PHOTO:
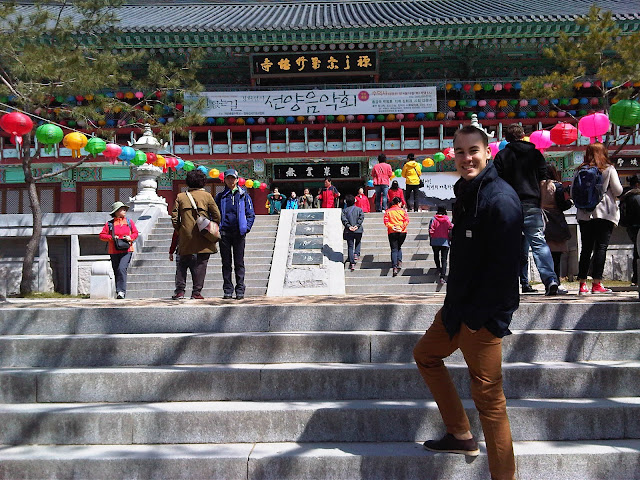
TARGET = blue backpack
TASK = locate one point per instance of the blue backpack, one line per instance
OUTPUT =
(587, 190)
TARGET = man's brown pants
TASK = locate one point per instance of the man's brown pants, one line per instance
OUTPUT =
(483, 354)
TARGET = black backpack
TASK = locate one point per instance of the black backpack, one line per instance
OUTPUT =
(562, 197)
(587, 189)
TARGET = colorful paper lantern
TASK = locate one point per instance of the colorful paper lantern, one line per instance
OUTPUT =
(541, 139)
(161, 162)
(214, 173)
(240, 121)
(494, 148)
(341, 118)
(16, 124)
(241, 181)
(140, 158)
(400, 117)
(95, 146)
(426, 163)
(625, 113)
(74, 141)
(151, 158)
(204, 169)
(438, 157)
(188, 166)
(221, 176)
(127, 154)
(111, 152)
(449, 153)
(563, 134)
(594, 126)
(263, 186)
(49, 135)
(248, 183)
(398, 172)
(451, 103)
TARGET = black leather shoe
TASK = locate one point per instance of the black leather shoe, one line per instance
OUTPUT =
(239, 297)
(450, 444)
(528, 289)
(227, 297)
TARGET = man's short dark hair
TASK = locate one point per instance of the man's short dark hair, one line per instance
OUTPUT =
(514, 132)
(196, 179)
(410, 156)
(471, 130)
(349, 200)
(382, 158)
(396, 201)
(633, 181)
(327, 179)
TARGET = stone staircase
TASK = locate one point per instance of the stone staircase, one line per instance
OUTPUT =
(418, 273)
(152, 275)
(315, 388)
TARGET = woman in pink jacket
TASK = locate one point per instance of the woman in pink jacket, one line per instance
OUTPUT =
(439, 231)
(121, 228)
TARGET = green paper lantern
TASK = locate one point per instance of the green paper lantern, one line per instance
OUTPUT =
(256, 184)
(397, 172)
(564, 101)
(513, 102)
(49, 135)
(430, 116)
(462, 103)
(531, 114)
(582, 113)
(625, 113)
(331, 118)
(470, 114)
(95, 146)
(380, 118)
(188, 166)
(438, 157)
(487, 87)
(140, 158)
(281, 120)
(220, 121)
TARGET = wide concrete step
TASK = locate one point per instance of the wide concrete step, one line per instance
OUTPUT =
(414, 276)
(304, 421)
(213, 283)
(360, 347)
(569, 460)
(303, 381)
(162, 259)
(293, 314)
(414, 289)
(169, 269)
(211, 290)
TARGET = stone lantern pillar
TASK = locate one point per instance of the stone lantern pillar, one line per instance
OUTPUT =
(147, 175)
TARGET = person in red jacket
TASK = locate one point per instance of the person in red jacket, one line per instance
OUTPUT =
(362, 201)
(122, 228)
(396, 191)
(396, 220)
(440, 228)
(381, 174)
(329, 195)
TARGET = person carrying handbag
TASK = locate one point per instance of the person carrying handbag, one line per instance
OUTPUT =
(120, 232)
(194, 248)
(411, 172)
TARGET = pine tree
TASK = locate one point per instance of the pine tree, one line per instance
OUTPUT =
(52, 49)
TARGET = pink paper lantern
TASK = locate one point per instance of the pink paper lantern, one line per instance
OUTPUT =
(242, 181)
(451, 115)
(263, 186)
(594, 126)
(350, 118)
(449, 153)
(562, 114)
(495, 148)
(523, 103)
(586, 85)
(497, 87)
(311, 118)
(541, 139)
(139, 95)
(112, 151)
(491, 115)
(482, 103)
(400, 117)
(261, 120)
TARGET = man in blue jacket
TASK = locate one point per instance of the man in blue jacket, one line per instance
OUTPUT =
(236, 211)
(482, 294)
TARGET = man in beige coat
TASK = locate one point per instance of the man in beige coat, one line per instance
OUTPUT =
(194, 248)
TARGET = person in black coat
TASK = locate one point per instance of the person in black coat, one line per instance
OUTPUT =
(352, 219)
(630, 218)
(482, 294)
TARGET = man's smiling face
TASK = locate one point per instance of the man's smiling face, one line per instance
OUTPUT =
(471, 155)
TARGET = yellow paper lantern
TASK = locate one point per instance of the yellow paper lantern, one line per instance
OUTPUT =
(553, 114)
(511, 115)
(300, 119)
(117, 109)
(477, 87)
(574, 101)
(214, 173)
(448, 86)
(341, 118)
(248, 183)
(440, 116)
(102, 123)
(160, 161)
(391, 117)
(75, 141)
(147, 108)
(502, 103)
(129, 95)
(451, 103)
(577, 85)
(526, 139)
(428, 162)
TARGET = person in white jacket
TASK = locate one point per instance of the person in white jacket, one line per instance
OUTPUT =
(596, 225)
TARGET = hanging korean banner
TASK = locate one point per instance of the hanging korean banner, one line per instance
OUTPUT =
(320, 102)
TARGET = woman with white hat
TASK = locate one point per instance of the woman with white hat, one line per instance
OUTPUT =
(120, 232)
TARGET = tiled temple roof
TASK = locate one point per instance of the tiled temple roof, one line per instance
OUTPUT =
(278, 15)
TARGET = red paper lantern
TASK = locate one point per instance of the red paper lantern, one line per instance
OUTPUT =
(460, 115)
(16, 124)
(508, 86)
(360, 118)
(410, 117)
(320, 118)
(270, 121)
(564, 134)
(501, 115)
(493, 103)
(241, 181)
(119, 95)
(151, 157)
(221, 176)
(467, 87)
(231, 121)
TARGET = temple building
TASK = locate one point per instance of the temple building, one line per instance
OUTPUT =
(300, 90)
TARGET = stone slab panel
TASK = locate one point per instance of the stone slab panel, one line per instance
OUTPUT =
(17, 387)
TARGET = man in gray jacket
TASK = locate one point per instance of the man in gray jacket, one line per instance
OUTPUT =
(352, 218)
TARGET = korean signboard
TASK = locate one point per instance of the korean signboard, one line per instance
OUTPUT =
(320, 102)
(313, 64)
(316, 171)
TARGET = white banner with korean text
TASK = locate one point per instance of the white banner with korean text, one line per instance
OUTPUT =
(320, 102)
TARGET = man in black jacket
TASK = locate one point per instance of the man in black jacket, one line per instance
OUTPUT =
(482, 294)
(630, 218)
(524, 167)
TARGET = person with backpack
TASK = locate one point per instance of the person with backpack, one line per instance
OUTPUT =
(439, 232)
(554, 200)
(523, 167)
(411, 172)
(120, 232)
(352, 219)
(630, 218)
(594, 190)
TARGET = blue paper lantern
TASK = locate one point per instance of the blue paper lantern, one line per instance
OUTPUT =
(291, 120)
(162, 120)
(420, 116)
(250, 121)
(555, 101)
(482, 115)
(371, 117)
(473, 103)
(203, 169)
(502, 144)
(211, 120)
(127, 154)
(522, 114)
(609, 83)
(457, 86)
(180, 164)
(109, 95)
(533, 102)
(370, 183)
(517, 86)
(111, 122)
(583, 101)
(573, 112)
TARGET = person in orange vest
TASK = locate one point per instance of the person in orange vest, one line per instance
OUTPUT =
(396, 220)
(329, 195)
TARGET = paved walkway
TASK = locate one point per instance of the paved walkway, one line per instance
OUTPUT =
(400, 298)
